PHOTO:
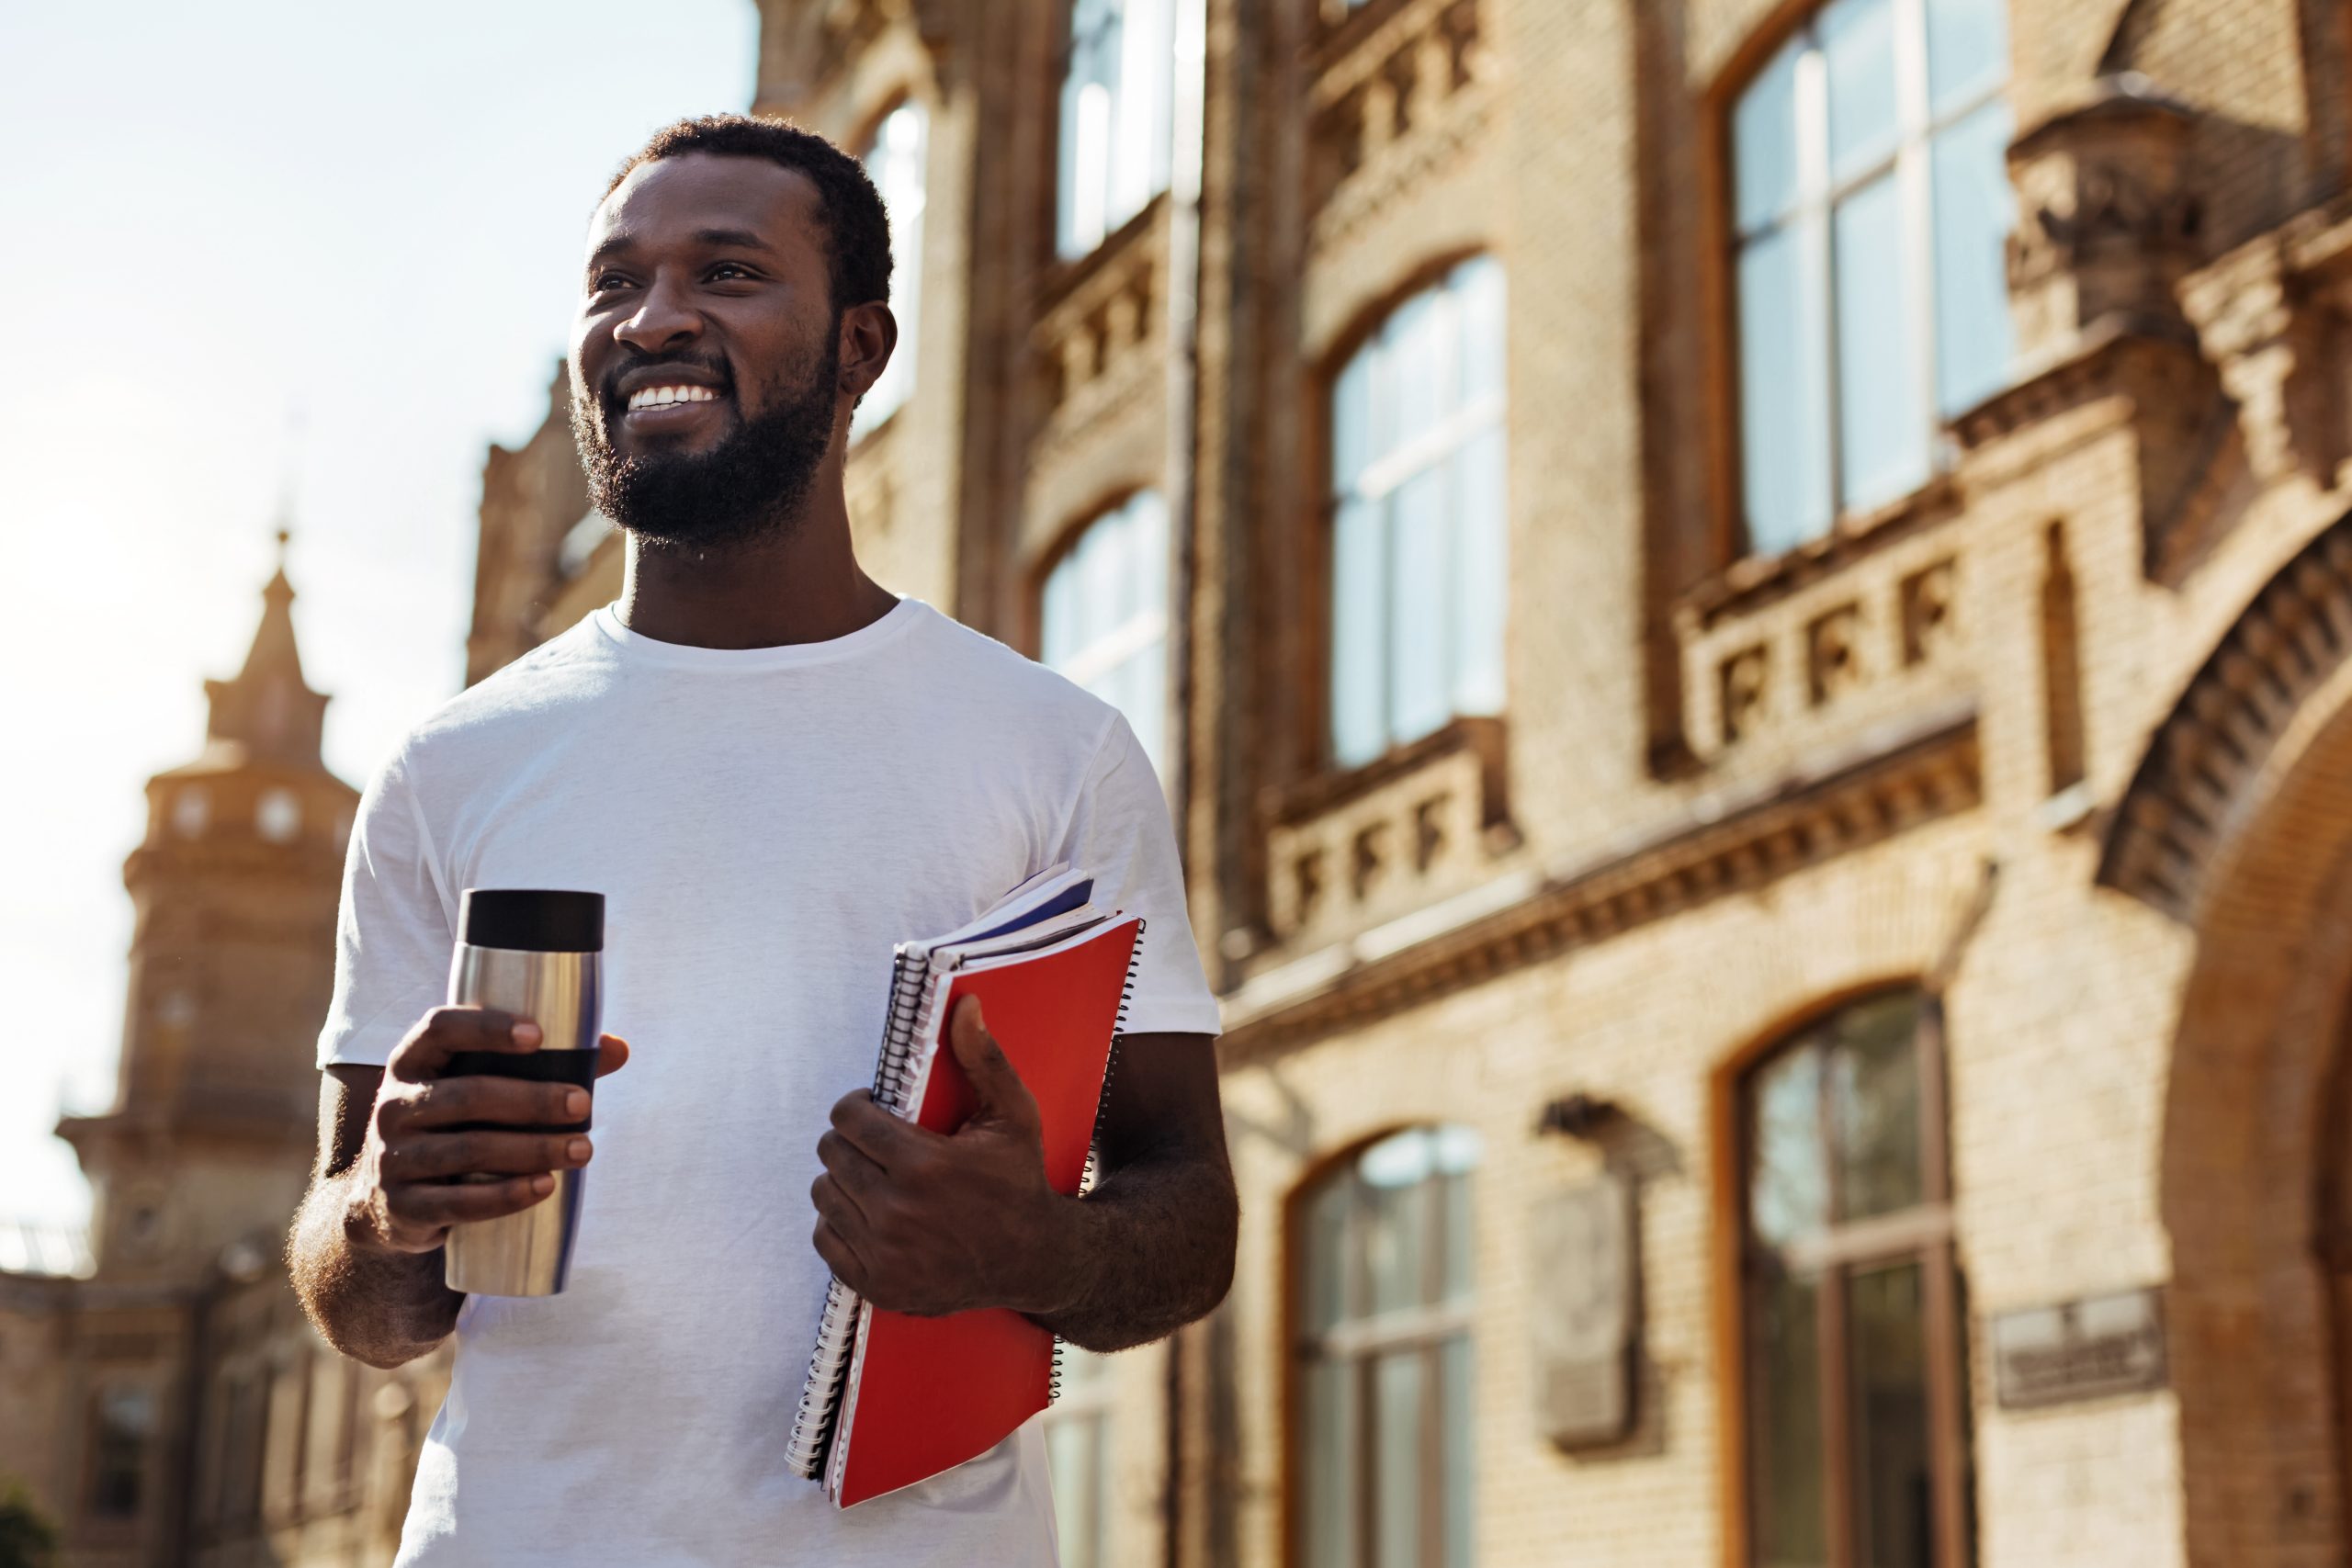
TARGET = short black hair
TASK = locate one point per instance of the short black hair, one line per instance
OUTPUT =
(857, 229)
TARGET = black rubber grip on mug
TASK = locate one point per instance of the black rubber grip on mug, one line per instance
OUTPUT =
(576, 1068)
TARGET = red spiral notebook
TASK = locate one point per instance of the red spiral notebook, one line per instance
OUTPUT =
(892, 1399)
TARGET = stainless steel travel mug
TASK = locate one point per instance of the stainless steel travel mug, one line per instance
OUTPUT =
(538, 955)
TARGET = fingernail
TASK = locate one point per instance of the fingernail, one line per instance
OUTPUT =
(525, 1034)
(543, 1185)
(576, 1103)
(576, 1150)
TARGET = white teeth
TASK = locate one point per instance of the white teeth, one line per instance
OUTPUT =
(662, 397)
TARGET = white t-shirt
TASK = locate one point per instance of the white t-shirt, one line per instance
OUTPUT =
(764, 824)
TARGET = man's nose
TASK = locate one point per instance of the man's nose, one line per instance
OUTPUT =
(663, 320)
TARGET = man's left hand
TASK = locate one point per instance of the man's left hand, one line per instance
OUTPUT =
(928, 1222)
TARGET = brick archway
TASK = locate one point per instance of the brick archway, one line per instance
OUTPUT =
(2250, 1142)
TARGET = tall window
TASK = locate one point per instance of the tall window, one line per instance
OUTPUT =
(1418, 521)
(1856, 1449)
(1385, 1395)
(1106, 618)
(1118, 103)
(123, 1428)
(895, 162)
(1077, 1448)
(1872, 203)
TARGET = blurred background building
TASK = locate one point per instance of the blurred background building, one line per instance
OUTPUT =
(1745, 610)
(161, 1396)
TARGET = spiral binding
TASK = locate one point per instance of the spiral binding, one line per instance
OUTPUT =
(1086, 1178)
(828, 1365)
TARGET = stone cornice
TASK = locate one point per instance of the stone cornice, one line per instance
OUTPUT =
(2208, 753)
(1732, 842)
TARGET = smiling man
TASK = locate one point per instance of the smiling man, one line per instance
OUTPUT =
(774, 769)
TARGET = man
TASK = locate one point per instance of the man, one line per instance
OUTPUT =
(773, 769)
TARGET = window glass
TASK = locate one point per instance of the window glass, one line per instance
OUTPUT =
(1840, 148)
(124, 1422)
(1457, 1436)
(1764, 141)
(1419, 578)
(1481, 586)
(1329, 1520)
(1105, 617)
(1788, 1193)
(1352, 439)
(1858, 50)
(1422, 535)
(1784, 387)
(1477, 285)
(1386, 1396)
(1835, 1303)
(1968, 50)
(1891, 1434)
(1117, 98)
(897, 164)
(1396, 1470)
(1788, 1503)
(1873, 1081)
(1882, 428)
(1975, 208)
(1359, 620)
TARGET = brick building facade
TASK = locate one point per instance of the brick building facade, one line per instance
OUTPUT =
(1747, 608)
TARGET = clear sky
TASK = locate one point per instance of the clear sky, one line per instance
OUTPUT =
(215, 221)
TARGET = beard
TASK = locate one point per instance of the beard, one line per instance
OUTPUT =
(746, 489)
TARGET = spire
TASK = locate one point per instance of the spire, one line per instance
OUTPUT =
(267, 709)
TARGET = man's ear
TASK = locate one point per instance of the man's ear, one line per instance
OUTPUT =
(869, 335)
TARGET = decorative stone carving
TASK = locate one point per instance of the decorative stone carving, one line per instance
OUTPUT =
(1734, 842)
(1392, 105)
(2108, 227)
(2211, 751)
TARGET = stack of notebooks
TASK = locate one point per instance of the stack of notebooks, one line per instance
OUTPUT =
(892, 1399)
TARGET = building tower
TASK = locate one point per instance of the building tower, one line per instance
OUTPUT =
(231, 961)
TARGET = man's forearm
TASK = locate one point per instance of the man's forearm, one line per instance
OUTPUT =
(381, 1307)
(1149, 1251)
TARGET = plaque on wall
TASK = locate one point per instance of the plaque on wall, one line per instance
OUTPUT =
(2079, 1349)
(1582, 1312)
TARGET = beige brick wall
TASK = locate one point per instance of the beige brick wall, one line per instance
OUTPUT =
(2135, 1096)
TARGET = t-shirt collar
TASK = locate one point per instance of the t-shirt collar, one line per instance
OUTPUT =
(638, 648)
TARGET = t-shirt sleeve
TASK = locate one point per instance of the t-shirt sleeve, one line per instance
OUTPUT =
(1120, 831)
(394, 928)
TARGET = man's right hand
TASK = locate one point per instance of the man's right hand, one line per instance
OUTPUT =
(427, 1153)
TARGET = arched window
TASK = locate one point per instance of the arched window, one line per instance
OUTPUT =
(1384, 1398)
(1857, 1446)
(1106, 616)
(1417, 525)
(1118, 101)
(895, 162)
(1870, 209)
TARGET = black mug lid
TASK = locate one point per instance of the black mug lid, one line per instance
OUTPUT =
(532, 920)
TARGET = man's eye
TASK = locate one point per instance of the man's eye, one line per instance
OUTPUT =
(605, 282)
(727, 269)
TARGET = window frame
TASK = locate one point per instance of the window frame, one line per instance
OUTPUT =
(101, 1521)
(1729, 540)
(1361, 1343)
(1924, 1233)
(1156, 177)
(1316, 663)
(1114, 504)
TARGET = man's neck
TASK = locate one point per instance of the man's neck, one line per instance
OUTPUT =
(804, 586)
